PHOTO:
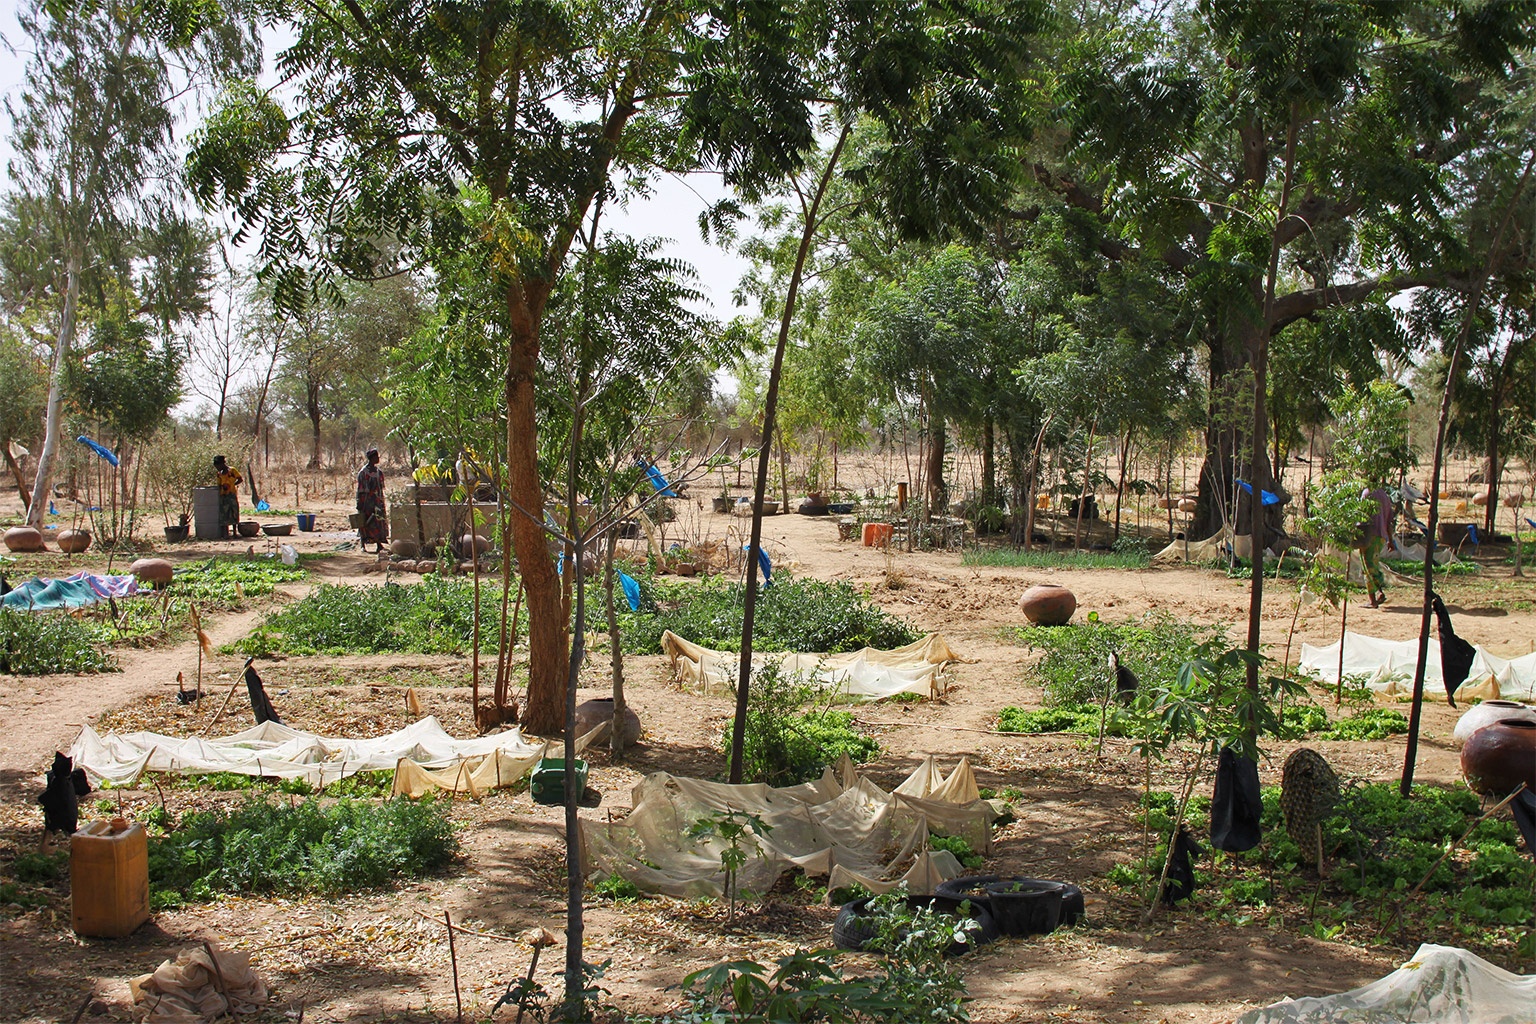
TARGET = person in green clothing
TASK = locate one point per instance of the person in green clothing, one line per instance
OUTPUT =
(1378, 534)
(229, 495)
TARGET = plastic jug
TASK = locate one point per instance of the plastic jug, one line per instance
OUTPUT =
(109, 878)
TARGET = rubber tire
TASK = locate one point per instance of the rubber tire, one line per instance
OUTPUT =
(852, 930)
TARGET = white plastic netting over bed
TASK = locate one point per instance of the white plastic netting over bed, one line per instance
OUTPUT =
(841, 826)
(869, 673)
(1388, 666)
(1440, 985)
(423, 755)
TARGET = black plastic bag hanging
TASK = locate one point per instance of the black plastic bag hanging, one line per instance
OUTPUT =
(1181, 871)
(1236, 806)
(1523, 807)
(261, 704)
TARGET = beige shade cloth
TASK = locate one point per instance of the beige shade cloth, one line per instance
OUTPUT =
(1440, 985)
(189, 990)
(1388, 667)
(868, 672)
(1214, 548)
(280, 751)
(841, 826)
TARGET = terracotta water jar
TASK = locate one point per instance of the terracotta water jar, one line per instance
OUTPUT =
(152, 570)
(24, 538)
(1500, 756)
(1048, 604)
(1486, 713)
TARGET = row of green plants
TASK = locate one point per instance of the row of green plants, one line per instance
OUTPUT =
(268, 846)
(436, 616)
(433, 616)
(1296, 721)
(227, 582)
(1130, 555)
(44, 643)
(794, 731)
(1380, 848)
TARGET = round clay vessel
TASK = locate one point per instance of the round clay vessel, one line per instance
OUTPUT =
(1500, 756)
(1048, 605)
(1486, 713)
(403, 547)
(152, 570)
(480, 545)
(1188, 505)
(24, 538)
(592, 713)
(72, 542)
(248, 528)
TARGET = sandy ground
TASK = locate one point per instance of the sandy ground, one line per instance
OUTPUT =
(382, 956)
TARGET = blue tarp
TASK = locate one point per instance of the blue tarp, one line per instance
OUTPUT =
(631, 590)
(78, 591)
(1267, 499)
(762, 563)
(101, 450)
(657, 480)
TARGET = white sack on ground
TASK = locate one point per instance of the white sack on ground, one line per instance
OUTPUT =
(1388, 668)
(1440, 985)
(283, 752)
(845, 828)
(868, 672)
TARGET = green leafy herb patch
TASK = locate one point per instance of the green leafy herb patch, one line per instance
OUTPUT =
(1379, 848)
(434, 616)
(276, 847)
(791, 615)
(226, 581)
(42, 643)
(1075, 668)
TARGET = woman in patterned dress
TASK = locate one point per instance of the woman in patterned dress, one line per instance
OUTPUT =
(370, 503)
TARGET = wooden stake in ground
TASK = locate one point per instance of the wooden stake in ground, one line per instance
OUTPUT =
(453, 959)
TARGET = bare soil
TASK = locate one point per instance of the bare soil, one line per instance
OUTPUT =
(384, 956)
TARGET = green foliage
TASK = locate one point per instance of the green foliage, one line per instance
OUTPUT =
(738, 832)
(788, 739)
(224, 580)
(1380, 846)
(307, 847)
(957, 845)
(1074, 670)
(1134, 557)
(44, 643)
(916, 983)
(1371, 432)
(1403, 567)
(615, 887)
(359, 784)
(1368, 724)
(434, 616)
(791, 615)
(40, 867)
(1077, 718)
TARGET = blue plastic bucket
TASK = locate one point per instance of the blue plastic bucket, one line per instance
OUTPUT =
(307, 522)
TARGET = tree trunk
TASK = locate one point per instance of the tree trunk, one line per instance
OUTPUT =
(312, 406)
(938, 490)
(1125, 456)
(770, 414)
(55, 413)
(1495, 470)
(21, 483)
(548, 657)
(988, 464)
(616, 650)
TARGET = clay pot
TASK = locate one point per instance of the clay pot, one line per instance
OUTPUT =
(473, 542)
(1048, 605)
(686, 569)
(402, 547)
(1500, 756)
(176, 534)
(72, 542)
(592, 713)
(248, 528)
(1167, 502)
(1188, 505)
(1486, 713)
(1480, 499)
(152, 570)
(24, 538)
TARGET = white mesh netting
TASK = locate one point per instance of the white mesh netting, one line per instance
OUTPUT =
(842, 826)
(868, 672)
(1440, 985)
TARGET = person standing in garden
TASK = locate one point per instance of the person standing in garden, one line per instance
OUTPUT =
(370, 503)
(229, 495)
(1378, 534)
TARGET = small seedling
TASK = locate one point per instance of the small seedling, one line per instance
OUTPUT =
(740, 831)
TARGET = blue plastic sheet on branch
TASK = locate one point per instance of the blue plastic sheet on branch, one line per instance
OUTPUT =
(101, 450)
(1268, 497)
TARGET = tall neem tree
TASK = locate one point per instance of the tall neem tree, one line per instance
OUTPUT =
(93, 135)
